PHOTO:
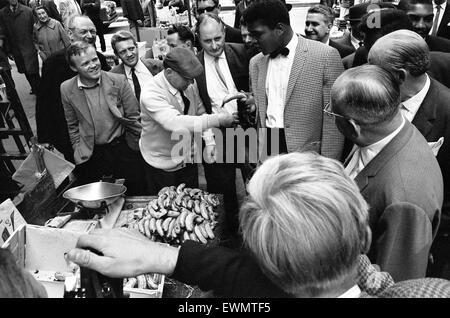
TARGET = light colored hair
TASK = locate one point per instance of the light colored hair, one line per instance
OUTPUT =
(72, 20)
(327, 12)
(305, 221)
(401, 49)
(369, 94)
(120, 36)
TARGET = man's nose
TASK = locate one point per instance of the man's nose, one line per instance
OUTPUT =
(214, 45)
(420, 24)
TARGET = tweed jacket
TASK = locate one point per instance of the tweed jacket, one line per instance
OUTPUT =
(154, 66)
(237, 60)
(444, 27)
(404, 189)
(316, 66)
(121, 102)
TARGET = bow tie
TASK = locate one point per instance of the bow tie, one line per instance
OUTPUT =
(283, 51)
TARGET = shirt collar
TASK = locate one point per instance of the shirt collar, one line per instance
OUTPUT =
(81, 85)
(139, 68)
(211, 58)
(443, 5)
(369, 152)
(355, 41)
(328, 41)
(292, 45)
(172, 89)
(51, 24)
(353, 292)
(413, 104)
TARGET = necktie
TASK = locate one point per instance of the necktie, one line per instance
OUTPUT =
(355, 164)
(436, 20)
(137, 87)
(283, 51)
(219, 72)
(186, 102)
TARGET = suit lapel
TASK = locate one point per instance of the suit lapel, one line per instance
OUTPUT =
(445, 19)
(79, 101)
(232, 64)
(427, 112)
(111, 94)
(261, 89)
(297, 67)
(381, 159)
(201, 84)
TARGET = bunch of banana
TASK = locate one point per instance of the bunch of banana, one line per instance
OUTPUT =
(178, 214)
(144, 281)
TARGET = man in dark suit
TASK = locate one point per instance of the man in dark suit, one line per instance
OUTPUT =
(50, 120)
(232, 35)
(225, 73)
(102, 117)
(420, 12)
(425, 101)
(394, 168)
(319, 21)
(441, 20)
(137, 71)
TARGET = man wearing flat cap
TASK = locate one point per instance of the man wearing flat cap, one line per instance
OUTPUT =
(172, 116)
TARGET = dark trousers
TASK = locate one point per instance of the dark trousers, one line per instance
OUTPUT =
(34, 80)
(158, 178)
(118, 160)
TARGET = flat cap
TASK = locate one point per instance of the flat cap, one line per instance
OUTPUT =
(184, 62)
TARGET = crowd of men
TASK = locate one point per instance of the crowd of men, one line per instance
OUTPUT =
(374, 99)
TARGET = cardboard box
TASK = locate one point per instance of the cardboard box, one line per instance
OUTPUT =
(40, 250)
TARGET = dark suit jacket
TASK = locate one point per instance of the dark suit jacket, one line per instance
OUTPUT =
(154, 66)
(132, 10)
(237, 60)
(444, 28)
(233, 35)
(404, 189)
(343, 50)
(436, 43)
(433, 121)
(50, 120)
(440, 67)
(121, 102)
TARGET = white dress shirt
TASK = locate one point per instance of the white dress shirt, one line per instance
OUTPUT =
(443, 6)
(361, 156)
(142, 74)
(353, 292)
(216, 90)
(412, 105)
(355, 42)
(277, 80)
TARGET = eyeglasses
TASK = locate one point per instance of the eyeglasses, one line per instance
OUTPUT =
(327, 110)
(207, 9)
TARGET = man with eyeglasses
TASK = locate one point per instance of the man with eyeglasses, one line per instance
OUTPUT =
(232, 35)
(50, 121)
(394, 168)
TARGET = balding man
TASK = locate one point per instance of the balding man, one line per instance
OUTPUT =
(394, 168)
(50, 119)
(425, 101)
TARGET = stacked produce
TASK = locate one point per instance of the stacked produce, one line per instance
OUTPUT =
(178, 214)
(145, 281)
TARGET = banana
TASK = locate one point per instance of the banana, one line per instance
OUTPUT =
(199, 235)
(161, 201)
(142, 282)
(152, 225)
(150, 281)
(174, 234)
(163, 191)
(165, 224)
(194, 192)
(159, 227)
(190, 221)
(141, 226)
(202, 229)
(190, 204)
(193, 237)
(181, 187)
(146, 226)
(160, 213)
(167, 202)
(182, 217)
(177, 227)
(130, 283)
(203, 211)
(186, 236)
(197, 206)
(199, 219)
(156, 278)
(208, 230)
(173, 214)
(171, 226)
(153, 204)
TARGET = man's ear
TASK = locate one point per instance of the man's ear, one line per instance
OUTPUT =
(73, 68)
(280, 28)
(355, 128)
(401, 75)
(189, 43)
(330, 25)
(367, 241)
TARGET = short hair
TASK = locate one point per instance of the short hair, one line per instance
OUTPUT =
(389, 20)
(401, 49)
(204, 17)
(267, 12)
(77, 48)
(369, 94)
(305, 222)
(41, 7)
(242, 22)
(184, 33)
(327, 12)
(71, 23)
(120, 36)
(216, 2)
(404, 4)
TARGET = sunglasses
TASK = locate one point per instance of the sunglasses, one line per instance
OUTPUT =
(207, 9)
